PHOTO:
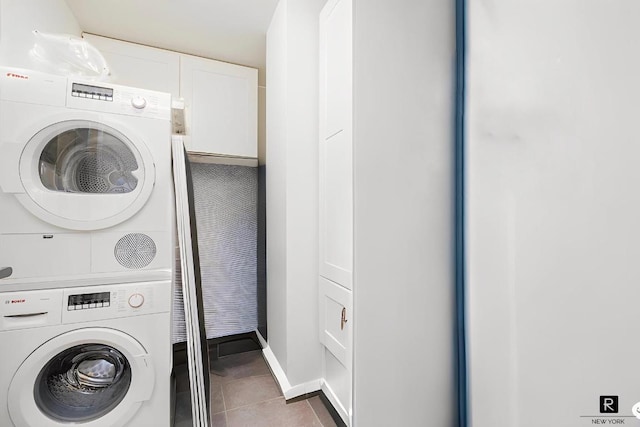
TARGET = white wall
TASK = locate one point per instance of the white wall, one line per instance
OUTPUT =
(304, 362)
(276, 183)
(403, 213)
(18, 18)
(292, 189)
(553, 193)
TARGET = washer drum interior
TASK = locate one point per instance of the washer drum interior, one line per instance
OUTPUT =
(82, 383)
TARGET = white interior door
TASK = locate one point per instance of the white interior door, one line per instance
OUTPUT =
(336, 204)
(336, 142)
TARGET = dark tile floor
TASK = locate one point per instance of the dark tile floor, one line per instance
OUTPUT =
(245, 394)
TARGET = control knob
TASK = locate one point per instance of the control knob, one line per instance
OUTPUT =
(139, 102)
(136, 300)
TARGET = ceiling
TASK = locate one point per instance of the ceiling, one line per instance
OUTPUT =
(227, 30)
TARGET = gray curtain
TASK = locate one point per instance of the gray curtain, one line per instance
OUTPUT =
(226, 217)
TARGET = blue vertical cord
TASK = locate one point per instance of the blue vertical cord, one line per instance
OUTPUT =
(460, 259)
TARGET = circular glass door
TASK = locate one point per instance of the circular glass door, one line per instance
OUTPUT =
(93, 377)
(88, 160)
(85, 175)
(82, 383)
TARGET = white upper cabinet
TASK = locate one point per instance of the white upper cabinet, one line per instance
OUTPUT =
(140, 66)
(221, 103)
(221, 99)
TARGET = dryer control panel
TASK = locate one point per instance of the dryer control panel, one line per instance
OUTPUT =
(92, 92)
(109, 98)
(34, 87)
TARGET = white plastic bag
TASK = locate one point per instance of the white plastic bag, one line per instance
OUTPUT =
(68, 55)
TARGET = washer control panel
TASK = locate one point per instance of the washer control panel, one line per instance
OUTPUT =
(114, 301)
(34, 309)
(89, 301)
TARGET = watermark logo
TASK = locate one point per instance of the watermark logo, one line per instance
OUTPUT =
(636, 410)
(608, 404)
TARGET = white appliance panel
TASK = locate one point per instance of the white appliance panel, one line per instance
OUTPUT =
(37, 198)
(135, 323)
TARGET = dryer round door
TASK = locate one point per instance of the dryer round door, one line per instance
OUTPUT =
(93, 376)
(85, 175)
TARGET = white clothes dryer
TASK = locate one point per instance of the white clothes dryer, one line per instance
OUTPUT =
(85, 181)
(94, 356)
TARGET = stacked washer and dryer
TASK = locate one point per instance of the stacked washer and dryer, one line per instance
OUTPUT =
(86, 253)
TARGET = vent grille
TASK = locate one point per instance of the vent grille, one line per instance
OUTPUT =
(135, 250)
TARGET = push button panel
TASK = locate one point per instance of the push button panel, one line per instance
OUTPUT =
(89, 301)
(92, 92)
(110, 98)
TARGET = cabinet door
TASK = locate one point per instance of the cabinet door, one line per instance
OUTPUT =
(336, 158)
(336, 325)
(140, 66)
(336, 204)
(221, 102)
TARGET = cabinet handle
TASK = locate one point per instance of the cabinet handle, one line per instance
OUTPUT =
(5, 272)
(343, 318)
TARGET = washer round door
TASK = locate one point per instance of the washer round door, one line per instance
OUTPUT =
(85, 175)
(92, 376)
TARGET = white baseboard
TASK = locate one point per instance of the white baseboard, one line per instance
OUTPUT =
(287, 389)
(336, 403)
(263, 342)
(304, 388)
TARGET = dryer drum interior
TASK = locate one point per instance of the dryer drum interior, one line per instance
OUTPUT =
(86, 160)
(82, 383)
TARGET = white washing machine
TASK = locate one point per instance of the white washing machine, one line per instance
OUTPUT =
(85, 182)
(96, 356)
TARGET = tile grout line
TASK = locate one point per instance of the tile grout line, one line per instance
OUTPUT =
(224, 401)
(224, 405)
(314, 412)
(246, 378)
(255, 403)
